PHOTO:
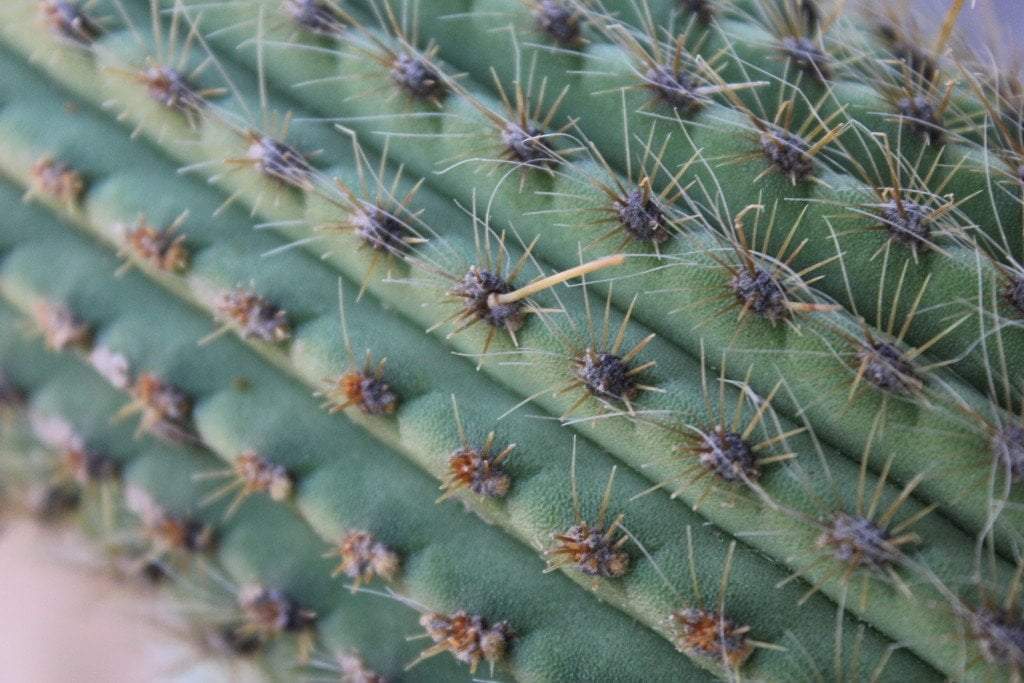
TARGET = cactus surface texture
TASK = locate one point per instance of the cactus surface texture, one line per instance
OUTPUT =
(541, 340)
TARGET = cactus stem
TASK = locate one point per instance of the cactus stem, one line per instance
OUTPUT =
(596, 547)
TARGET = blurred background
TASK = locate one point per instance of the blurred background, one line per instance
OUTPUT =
(63, 614)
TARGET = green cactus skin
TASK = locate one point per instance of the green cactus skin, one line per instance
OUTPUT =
(74, 393)
(973, 511)
(395, 506)
(653, 309)
(603, 69)
(214, 415)
(477, 46)
(425, 418)
(784, 523)
(666, 470)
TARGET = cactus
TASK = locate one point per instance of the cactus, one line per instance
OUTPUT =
(707, 313)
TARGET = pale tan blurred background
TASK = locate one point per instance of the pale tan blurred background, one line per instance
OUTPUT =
(65, 621)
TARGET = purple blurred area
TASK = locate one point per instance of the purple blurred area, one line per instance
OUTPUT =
(994, 28)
